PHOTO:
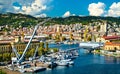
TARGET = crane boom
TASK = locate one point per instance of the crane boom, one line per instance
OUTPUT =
(23, 55)
(15, 51)
(35, 52)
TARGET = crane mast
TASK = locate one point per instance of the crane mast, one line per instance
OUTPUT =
(23, 55)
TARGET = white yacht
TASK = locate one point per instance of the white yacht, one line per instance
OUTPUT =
(62, 63)
(65, 62)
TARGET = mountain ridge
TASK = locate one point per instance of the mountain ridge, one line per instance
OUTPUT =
(23, 20)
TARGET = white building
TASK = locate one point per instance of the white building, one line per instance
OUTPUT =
(103, 27)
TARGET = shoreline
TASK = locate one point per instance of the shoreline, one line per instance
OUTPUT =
(107, 54)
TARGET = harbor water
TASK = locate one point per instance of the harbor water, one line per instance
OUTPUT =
(86, 63)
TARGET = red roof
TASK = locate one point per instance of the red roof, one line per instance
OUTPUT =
(6, 41)
(111, 37)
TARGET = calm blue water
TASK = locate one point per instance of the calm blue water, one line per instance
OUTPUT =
(87, 64)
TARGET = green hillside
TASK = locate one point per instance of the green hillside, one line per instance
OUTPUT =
(16, 20)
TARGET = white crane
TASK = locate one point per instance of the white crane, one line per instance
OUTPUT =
(20, 59)
(23, 55)
(35, 52)
(15, 51)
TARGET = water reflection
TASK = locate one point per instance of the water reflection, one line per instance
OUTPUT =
(111, 60)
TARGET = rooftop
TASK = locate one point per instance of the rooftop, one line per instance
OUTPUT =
(113, 44)
(111, 37)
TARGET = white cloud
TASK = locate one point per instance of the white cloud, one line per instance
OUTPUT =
(96, 9)
(31, 7)
(114, 10)
(35, 8)
(16, 8)
(67, 14)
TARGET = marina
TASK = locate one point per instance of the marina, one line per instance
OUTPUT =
(61, 58)
(85, 63)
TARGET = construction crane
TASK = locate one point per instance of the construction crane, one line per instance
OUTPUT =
(20, 59)
(15, 51)
(35, 52)
(36, 27)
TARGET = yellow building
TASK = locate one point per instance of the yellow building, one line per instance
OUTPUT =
(5, 46)
(112, 46)
(108, 39)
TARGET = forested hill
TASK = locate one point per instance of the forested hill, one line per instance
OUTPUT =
(85, 19)
(16, 20)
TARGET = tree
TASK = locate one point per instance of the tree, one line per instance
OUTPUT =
(42, 44)
(1, 58)
(32, 51)
(12, 54)
(40, 51)
(6, 57)
(28, 54)
(2, 72)
(89, 38)
(20, 53)
(46, 47)
(55, 50)
(85, 34)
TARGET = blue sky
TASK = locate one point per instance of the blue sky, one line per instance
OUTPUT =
(62, 8)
